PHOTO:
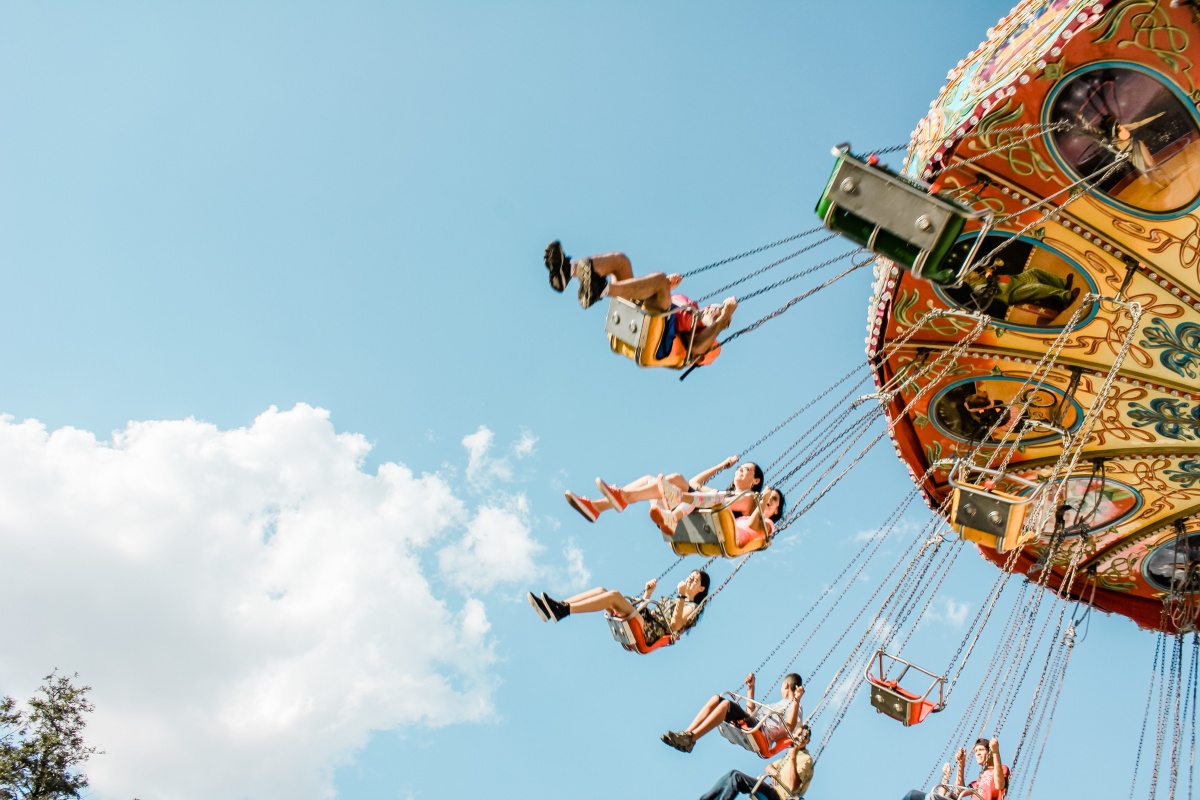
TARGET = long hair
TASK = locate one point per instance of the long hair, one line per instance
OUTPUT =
(778, 515)
(701, 596)
(759, 477)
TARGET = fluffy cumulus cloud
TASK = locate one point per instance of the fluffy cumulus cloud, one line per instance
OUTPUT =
(249, 604)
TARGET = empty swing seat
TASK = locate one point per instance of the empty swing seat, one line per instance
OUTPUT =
(903, 705)
(897, 218)
(987, 516)
(637, 334)
(907, 708)
(711, 532)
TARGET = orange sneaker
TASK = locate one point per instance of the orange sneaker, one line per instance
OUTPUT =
(614, 495)
(583, 506)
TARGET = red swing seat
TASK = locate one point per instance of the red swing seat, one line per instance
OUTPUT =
(906, 707)
(752, 737)
(630, 634)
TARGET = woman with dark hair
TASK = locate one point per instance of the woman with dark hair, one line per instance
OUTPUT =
(673, 616)
(747, 478)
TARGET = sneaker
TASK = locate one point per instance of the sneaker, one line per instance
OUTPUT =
(683, 741)
(538, 606)
(591, 285)
(557, 610)
(669, 492)
(559, 265)
(583, 506)
(614, 495)
(665, 520)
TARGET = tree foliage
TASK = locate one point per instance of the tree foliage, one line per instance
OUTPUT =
(42, 748)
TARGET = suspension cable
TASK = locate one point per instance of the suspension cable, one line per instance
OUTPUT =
(755, 251)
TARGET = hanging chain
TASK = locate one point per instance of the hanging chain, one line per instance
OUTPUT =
(1040, 131)
(1068, 645)
(667, 571)
(806, 407)
(1159, 651)
(776, 263)
(871, 549)
(789, 303)
(755, 251)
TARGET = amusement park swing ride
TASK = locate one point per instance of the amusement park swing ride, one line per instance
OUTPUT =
(1033, 355)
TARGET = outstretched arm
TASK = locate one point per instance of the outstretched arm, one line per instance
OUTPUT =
(703, 478)
(750, 704)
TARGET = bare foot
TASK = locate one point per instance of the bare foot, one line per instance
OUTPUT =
(674, 279)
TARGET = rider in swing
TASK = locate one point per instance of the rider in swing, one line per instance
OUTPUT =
(652, 292)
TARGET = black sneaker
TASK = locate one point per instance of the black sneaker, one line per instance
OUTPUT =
(591, 285)
(538, 606)
(558, 611)
(559, 265)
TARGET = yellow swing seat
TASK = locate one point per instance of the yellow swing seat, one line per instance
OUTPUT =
(987, 516)
(636, 333)
(711, 532)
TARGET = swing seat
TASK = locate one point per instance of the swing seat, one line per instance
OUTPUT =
(990, 518)
(987, 516)
(897, 218)
(636, 333)
(907, 708)
(753, 739)
(711, 532)
(630, 635)
(903, 705)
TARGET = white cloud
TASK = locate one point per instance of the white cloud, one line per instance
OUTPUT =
(250, 598)
(577, 573)
(482, 469)
(948, 612)
(497, 548)
(525, 445)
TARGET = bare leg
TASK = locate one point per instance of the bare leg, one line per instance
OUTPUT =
(588, 595)
(615, 265)
(653, 291)
(715, 707)
(601, 600)
(714, 718)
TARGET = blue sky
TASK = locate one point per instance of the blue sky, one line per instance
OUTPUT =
(209, 211)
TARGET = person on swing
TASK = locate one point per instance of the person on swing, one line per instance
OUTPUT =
(653, 292)
(991, 783)
(776, 718)
(786, 778)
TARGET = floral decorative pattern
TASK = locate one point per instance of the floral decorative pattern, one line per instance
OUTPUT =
(1170, 417)
(1188, 474)
(1180, 348)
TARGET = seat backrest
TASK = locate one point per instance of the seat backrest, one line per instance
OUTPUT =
(635, 333)
(989, 517)
(627, 631)
(892, 217)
